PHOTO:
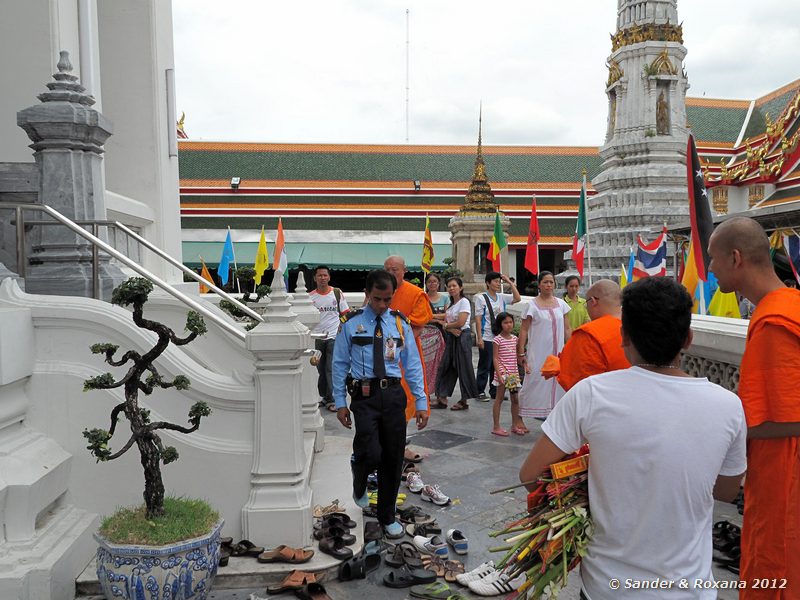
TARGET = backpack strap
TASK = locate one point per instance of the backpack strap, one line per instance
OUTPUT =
(337, 293)
(491, 311)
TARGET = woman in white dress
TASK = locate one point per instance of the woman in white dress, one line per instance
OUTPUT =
(544, 330)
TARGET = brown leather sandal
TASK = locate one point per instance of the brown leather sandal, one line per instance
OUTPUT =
(460, 405)
(286, 554)
(293, 581)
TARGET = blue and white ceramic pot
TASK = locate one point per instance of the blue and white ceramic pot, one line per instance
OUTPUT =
(180, 571)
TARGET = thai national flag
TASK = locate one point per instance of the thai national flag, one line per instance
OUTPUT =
(791, 243)
(651, 259)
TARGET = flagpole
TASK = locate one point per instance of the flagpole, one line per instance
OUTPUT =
(235, 266)
(586, 212)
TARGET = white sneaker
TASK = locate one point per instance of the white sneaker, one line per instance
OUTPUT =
(414, 482)
(480, 572)
(432, 493)
(431, 545)
(497, 584)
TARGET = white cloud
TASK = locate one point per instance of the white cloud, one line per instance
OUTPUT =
(323, 71)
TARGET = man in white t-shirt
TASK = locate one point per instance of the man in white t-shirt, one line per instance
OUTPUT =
(487, 306)
(331, 304)
(663, 446)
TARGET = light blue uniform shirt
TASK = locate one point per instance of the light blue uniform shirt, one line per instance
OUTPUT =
(352, 353)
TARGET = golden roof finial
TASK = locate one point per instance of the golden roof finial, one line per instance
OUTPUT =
(479, 198)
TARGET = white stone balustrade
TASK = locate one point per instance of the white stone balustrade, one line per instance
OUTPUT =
(279, 505)
(716, 349)
(309, 316)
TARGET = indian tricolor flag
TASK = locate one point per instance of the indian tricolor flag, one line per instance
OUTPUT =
(498, 243)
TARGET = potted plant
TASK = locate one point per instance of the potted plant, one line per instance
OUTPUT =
(167, 548)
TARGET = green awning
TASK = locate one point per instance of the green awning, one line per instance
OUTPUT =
(354, 256)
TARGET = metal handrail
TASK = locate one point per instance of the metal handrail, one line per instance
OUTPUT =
(97, 243)
(241, 305)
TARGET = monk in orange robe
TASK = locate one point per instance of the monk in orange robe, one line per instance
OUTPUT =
(596, 346)
(768, 387)
(412, 302)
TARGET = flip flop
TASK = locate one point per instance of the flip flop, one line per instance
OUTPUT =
(518, 431)
(405, 577)
(431, 591)
(358, 566)
(286, 554)
(460, 406)
(434, 563)
(451, 569)
(425, 529)
(404, 554)
(293, 581)
(500, 431)
(246, 548)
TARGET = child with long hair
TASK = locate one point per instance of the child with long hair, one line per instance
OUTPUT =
(506, 374)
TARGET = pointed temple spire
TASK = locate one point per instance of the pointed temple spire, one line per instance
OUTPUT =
(479, 198)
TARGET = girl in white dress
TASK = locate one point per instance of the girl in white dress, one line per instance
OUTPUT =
(544, 330)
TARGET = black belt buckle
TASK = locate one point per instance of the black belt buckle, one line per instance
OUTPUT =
(383, 383)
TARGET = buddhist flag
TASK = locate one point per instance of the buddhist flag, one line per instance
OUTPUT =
(579, 240)
(280, 263)
(498, 243)
(532, 251)
(427, 248)
(225, 260)
(262, 258)
(205, 274)
(699, 210)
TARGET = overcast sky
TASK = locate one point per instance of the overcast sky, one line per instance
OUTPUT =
(335, 70)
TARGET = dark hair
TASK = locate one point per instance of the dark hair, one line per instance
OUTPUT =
(318, 267)
(435, 276)
(656, 316)
(543, 274)
(381, 279)
(790, 283)
(460, 284)
(497, 326)
(570, 279)
(491, 276)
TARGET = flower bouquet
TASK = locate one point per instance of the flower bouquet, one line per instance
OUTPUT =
(551, 538)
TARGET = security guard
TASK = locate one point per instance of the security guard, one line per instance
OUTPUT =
(370, 347)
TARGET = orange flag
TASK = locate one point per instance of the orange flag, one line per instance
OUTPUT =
(205, 274)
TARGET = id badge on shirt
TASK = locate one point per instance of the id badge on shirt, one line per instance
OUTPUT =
(390, 349)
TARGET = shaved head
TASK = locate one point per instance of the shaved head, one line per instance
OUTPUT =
(603, 298)
(396, 265)
(745, 235)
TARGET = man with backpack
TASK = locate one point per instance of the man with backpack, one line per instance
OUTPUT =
(487, 306)
(331, 304)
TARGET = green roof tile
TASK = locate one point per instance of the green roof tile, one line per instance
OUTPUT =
(716, 124)
(758, 123)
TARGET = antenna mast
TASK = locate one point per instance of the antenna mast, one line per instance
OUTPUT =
(407, 67)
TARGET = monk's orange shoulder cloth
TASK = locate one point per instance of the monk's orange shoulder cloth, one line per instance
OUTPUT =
(594, 348)
(770, 367)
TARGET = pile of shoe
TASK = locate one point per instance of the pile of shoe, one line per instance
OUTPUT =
(727, 541)
(333, 532)
(429, 493)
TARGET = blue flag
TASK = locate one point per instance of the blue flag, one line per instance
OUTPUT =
(225, 260)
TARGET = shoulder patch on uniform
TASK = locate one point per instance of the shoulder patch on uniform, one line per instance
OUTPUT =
(350, 314)
(397, 313)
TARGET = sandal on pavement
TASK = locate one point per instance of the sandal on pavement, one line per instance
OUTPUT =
(452, 568)
(432, 591)
(518, 431)
(358, 566)
(412, 456)
(246, 548)
(425, 529)
(460, 405)
(438, 404)
(336, 547)
(404, 553)
(500, 431)
(312, 591)
(330, 532)
(335, 520)
(372, 531)
(224, 556)
(293, 581)
(434, 563)
(285, 554)
(405, 577)
(320, 511)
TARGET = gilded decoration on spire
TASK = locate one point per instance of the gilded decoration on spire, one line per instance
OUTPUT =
(615, 73)
(662, 65)
(480, 198)
(650, 32)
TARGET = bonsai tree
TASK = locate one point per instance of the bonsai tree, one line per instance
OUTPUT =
(143, 376)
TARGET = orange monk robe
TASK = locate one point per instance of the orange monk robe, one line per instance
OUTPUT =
(413, 303)
(593, 348)
(768, 386)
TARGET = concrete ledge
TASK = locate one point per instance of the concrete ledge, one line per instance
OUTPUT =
(330, 480)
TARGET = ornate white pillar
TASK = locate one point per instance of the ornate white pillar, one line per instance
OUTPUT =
(278, 510)
(308, 315)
